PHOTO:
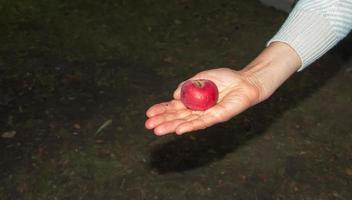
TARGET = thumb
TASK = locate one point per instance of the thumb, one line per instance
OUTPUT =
(177, 93)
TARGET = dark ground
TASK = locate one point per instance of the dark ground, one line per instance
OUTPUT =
(66, 67)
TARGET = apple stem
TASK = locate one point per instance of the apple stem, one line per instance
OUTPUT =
(198, 83)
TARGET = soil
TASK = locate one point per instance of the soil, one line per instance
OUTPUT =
(76, 78)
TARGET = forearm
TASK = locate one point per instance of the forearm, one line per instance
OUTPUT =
(272, 68)
(315, 26)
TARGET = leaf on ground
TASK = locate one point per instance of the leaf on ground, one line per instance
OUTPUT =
(349, 171)
(104, 125)
(8, 134)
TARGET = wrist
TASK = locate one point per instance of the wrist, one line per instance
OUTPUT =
(271, 68)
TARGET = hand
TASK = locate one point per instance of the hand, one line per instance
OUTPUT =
(237, 92)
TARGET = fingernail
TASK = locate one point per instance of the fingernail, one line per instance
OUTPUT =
(158, 131)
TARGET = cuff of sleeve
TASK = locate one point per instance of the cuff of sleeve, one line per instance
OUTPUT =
(308, 33)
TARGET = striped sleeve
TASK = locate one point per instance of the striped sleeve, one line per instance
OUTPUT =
(314, 27)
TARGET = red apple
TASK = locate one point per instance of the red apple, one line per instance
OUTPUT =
(200, 94)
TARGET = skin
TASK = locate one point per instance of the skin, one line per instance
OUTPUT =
(238, 91)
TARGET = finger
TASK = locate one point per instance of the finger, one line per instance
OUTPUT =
(163, 107)
(177, 93)
(196, 124)
(166, 117)
(168, 127)
(190, 126)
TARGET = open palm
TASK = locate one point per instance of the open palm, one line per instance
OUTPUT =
(236, 93)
